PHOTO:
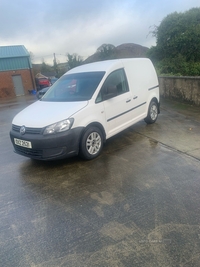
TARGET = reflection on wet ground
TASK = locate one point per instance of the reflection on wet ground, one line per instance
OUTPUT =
(135, 205)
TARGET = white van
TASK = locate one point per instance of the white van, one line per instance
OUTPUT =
(85, 107)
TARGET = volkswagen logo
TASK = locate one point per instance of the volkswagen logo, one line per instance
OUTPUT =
(22, 130)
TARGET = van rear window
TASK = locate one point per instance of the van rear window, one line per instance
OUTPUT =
(74, 87)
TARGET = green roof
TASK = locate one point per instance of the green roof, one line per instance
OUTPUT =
(13, 51)
(14, 57)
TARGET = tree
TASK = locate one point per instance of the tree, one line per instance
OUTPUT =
(55, 65)
(106, 51)
(177, 47)
(73, 60)
(45, 68)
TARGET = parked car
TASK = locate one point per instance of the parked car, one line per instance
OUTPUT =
(53, 80)
(42, 83)
(41, 92)
(85, 107)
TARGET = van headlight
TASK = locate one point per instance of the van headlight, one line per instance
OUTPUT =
(59, 127)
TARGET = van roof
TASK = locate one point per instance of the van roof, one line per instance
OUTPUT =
(107, 65)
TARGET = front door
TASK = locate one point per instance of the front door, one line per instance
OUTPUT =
(117, 101)
(118, 111)
(17, 81)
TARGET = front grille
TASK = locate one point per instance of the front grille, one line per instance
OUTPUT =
(16, 128)
(36, 153)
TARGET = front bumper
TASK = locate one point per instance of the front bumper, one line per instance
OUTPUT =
(48, 147)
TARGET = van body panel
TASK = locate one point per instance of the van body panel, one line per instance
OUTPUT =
(107, 66)
(115, 104)
(92, 113)
(49, 147)
(141, 77)
(118, 113)
(41, 114)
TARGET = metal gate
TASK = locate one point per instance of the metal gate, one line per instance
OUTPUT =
(17, 81)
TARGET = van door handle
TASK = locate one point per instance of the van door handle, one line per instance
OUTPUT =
(135, 97)
(128, 100)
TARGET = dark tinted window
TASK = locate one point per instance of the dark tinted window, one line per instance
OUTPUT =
(115, 84)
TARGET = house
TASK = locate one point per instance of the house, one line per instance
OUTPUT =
(16, 75)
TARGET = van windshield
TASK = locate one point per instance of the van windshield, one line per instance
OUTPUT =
(74, 87)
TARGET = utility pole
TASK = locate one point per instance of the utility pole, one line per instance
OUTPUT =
(55, 64)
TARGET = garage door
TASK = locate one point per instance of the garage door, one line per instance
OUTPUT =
(17, 81)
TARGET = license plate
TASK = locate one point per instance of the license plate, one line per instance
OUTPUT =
(23, 143)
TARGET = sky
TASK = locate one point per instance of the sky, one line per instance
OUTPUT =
(46, 27)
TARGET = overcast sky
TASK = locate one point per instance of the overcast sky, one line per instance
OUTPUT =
(45, 27)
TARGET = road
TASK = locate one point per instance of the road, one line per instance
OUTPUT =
(137, 205)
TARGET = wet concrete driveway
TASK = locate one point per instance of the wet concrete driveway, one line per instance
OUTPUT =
(137, 205)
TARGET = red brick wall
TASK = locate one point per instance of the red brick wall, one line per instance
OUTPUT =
(7, 86)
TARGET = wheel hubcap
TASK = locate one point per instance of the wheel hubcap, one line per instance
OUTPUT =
(93, 143)
(154, 112)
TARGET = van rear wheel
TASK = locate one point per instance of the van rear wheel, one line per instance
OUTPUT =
(152, 112)
(91, 143)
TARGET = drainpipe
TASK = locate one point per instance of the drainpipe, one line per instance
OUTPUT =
(31, 73)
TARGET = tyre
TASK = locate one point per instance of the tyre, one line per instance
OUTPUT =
(152, 112)
(91, 143)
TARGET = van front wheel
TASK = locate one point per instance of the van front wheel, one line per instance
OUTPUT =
(91, 143)
(152, 113)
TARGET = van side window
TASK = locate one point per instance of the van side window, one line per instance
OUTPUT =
(115, 84)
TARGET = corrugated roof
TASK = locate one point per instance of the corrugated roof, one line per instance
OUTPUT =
(16, 63)
(13, 51)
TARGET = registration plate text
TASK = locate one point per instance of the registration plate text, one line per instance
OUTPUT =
(23, 143)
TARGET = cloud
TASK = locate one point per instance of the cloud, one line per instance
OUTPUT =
(49, 26)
